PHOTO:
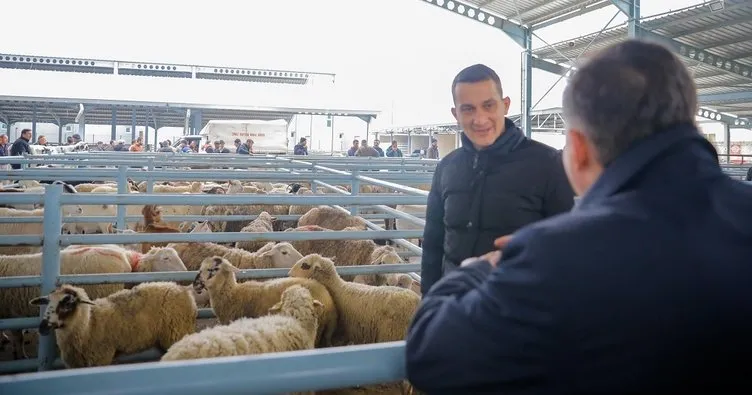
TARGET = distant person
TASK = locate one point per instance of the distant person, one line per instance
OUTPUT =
(42, 140)
(365, 150)
(749, 174)
(76, 138)
(433, 151)
(21, 147)
(120, 146)
(301, 148)
(393, 151)
(4, 149)
(222, 148)
(69, 140)
(377, 148)
(244, 148)
(137, 145)
(354, 149)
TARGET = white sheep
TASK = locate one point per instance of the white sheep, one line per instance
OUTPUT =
(92, 333)
(77, 259)
(19, 229)
(380, 256)
(270, 256)
(263, 223)
(367, 314)
(331, 218)
(291, 325)
(231, 300)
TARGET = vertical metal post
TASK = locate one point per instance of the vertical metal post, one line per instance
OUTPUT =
(314, 186)
(133, 124)
(53, 224)
(527, 85)
(146, 130)
(33, 123)
(727, 141)
(82, 126)
(122, 181)
(634, 18)
(355, 190)
(150, 181)
(368, 128)
(113, 132)
(332, 134)
(197, 121)
(59, 133)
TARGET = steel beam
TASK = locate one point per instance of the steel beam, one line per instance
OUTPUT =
(582, 11)
(699, 54)
(514, 30)
(726, 97)
(551, 67)
(735, 122)
(713, 26)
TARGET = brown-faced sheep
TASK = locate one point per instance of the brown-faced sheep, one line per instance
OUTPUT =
(270, 256)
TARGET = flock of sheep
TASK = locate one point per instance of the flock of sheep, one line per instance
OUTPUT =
(312, 307)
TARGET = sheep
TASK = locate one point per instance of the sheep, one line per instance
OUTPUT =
(330, 218)
(27, 228)
(272, 255)
(91, 333)
(77, 259)
(403, 280)
(231, 300)
(367, 314)
(153, 224)
(291, 325)
(194, 187)
(380, 255)
(263, 223)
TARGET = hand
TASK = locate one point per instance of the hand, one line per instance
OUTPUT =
(502, 242)
(492, 257)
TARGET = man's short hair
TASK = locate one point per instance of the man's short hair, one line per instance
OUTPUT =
(627, 92)
(476, 73)
(25, 131)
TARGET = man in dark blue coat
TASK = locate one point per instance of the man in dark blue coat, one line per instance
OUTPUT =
(496, 183)
(645, 287)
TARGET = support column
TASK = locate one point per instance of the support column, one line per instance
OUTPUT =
(727, 141)
(33, 123)
(133, 125)
(198, 121)
(113, 132)
(527, 85)
(634, 18)
(82, 126)
(60, 133)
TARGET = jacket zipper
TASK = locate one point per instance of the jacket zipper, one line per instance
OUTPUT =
(475, 161)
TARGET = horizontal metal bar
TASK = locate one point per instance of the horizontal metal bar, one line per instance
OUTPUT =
(176, 218)
(401, 215)
(274, 373)
(29, 365)
(19, 323)
(84, 279)
(21, 240)
(21, 198)
(230, 237)
(391, 185)
(244, 199)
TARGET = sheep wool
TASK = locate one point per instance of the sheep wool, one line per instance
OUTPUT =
(231, 300)
(367, 314)
(291, 325)
(331, 218)
(271, 255)
(92, 333)
(263, 223)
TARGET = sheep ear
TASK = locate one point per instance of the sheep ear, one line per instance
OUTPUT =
(316, 303)
(274, 309)
(42, 300)
(86, 301)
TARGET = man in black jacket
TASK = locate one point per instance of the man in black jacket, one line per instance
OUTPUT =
(496, 183)
(21, 146)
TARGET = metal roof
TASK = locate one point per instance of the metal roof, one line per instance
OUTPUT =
(718, 52)
(536, 12)
(157, 69)
(56, 97)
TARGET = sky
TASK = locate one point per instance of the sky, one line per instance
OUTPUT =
(396, 55)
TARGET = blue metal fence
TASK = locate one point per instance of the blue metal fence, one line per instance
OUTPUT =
(328, 368)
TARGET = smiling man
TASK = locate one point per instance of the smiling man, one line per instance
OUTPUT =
(498, 182)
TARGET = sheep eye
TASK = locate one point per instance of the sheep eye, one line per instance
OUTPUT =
(305, 266)
(284, 252)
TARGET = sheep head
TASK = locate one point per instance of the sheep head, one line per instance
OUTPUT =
(296, 299)
(282, 255)
(212, 268)
(62, 304)
(313, 266)
(162, 259)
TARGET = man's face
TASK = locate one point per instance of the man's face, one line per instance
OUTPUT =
(480, 111)
(3, 139)
(355, 144)
(43, 140)
(375, 143)
(26, 135)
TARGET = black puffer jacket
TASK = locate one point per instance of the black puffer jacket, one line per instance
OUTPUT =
(478, 196)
